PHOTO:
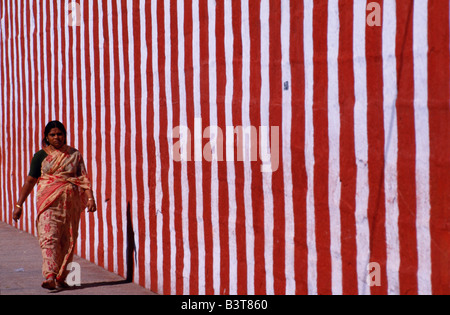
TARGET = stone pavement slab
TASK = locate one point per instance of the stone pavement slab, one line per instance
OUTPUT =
(20, 270)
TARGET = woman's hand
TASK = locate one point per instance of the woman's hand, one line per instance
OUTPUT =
(91, 206)
(17, 213)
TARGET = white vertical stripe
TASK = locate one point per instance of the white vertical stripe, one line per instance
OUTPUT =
(13, 102)
(132, 102)
(334, 182)
(420, 52)
(67, 72)
(14, 105)
(52, 50)
(123, 188)
(60, 62)
(4, 117)
(44, 58)
(75, 104)
(183, 122)
(33, 93)
(39, 78)
(22, 143)
(104, 205)
(391, 145)
(214, 166)
(83, 101)
(158, 188)
(249, 233)
(361, 145)
(28, 103)
(3, 105)
(286, 136)
(17, 98)
(198, 163)
(168, 76)
(24, 102)
(144, 104)
(112, 137)
(8, 162)
(265, 144)
(18, 108)
(229, 49)
(93, 123)
(309, 146)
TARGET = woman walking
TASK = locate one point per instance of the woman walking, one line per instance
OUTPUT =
(63, 191)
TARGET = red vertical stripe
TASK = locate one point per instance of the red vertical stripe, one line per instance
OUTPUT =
(347, 151)
(164, 149)
(107, 203)
(222, 167)
(320, 121)
(128, 225)
(299, 180)
(376, 208)
(176, 166)
(439, 122)
(188, 29)
(238, 166)
(140, 229)
(406, 149)
(255, 120)
(116, 112)
(151, 150)
(206, 166)
(275, 118)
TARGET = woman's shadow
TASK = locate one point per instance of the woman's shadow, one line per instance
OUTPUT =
(91, 285)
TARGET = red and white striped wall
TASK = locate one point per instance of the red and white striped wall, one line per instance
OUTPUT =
(359, 200)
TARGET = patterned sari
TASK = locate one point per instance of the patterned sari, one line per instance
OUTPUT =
(60, 201)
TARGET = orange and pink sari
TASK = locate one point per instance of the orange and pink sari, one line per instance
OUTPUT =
(60, 201)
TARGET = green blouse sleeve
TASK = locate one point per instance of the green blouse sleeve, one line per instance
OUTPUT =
(36, 162)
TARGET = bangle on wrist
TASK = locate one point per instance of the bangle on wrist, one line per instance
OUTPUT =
(19, 206)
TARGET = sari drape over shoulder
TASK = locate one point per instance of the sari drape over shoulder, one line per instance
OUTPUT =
(60, 200)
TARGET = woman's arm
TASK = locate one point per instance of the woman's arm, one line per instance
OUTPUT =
(27, 188)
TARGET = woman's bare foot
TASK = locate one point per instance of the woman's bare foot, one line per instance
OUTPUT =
(49, 284)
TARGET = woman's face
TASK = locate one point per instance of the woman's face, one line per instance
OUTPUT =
(56, 138)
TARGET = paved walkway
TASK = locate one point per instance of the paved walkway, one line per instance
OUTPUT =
(20, 270)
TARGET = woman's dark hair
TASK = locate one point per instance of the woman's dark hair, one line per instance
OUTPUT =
(50, 126)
